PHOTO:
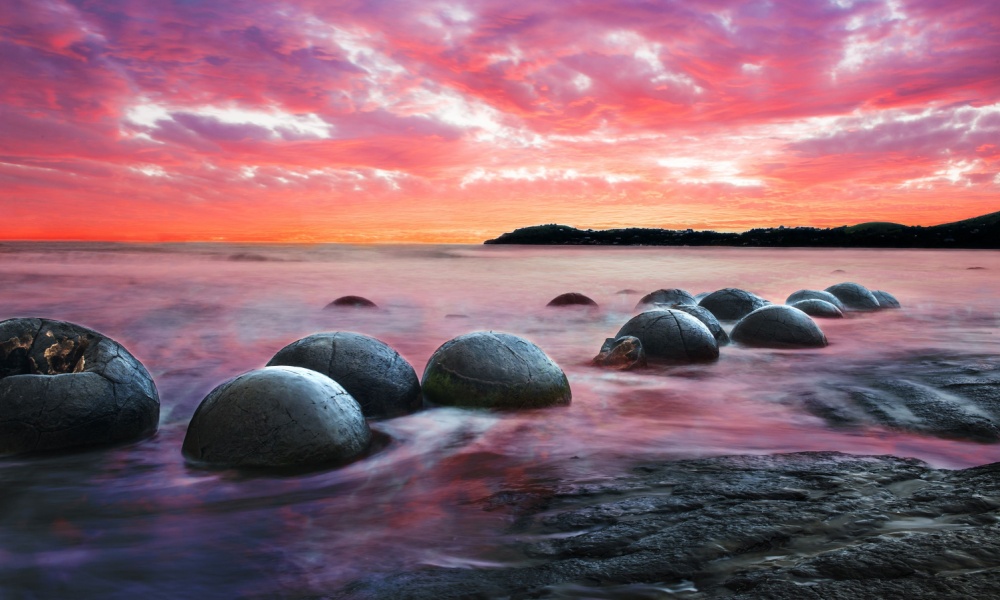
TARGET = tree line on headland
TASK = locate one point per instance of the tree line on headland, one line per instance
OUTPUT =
(978, 232)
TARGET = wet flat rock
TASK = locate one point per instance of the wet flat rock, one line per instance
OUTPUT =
(804, 525)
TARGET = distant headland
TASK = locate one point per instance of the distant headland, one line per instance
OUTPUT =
(978, 232)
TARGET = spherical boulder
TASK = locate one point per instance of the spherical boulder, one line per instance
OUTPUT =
(778, 326)
(277, 417)
(817, 295)
(64, 386)
(382, 381)
(666, 297)
(815, 307)
(885, 299)
(672, 335)
(706, 317)
(351, 302)
(572, 299)
(621, 353)
(486, 369)
(731, 304)
(854, 296)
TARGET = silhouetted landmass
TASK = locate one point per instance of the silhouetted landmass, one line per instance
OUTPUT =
(978, 232)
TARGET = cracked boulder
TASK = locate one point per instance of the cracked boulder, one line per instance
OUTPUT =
(706, 317)
(666, 297)
(854, 296)
(382, 381)
(63, 386)
(622, 353)
(351, 302)
(778, 326)
(672, 335)
(885, 299)
(731, 304)
(814, 307)
(486, 369)
(815, 295)
(277, 417)
(572, 299)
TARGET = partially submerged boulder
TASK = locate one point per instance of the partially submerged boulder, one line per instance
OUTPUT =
(351, 302)
(64, 386)
(277, 417)
(382, 381)
(622, 353)
(666, 297)
(572, 299)
(672, 335)
(815, 295)
(815, 307)
(854, 296)
(486, 369)
(731, 304)
(885, 299)
(778, 326)
(706, 317)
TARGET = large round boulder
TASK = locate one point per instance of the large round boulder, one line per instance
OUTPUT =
(732, 304)
(277, 417)
(64, 386)
(854, 296)
(815, 307)
(572, 299)
(374, 374)
(706, 317)
(672, 335)
(815, 295)
(622, 353)
(885, 299)
(666, 297)
(778, 326)
(351, 302)
(486, 369)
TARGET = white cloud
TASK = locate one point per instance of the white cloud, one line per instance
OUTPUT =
(700, 171)
(273, 119)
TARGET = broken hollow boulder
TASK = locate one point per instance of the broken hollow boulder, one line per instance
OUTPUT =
(276, 417)
(382, 381)
(623, 353)
(672, 335)
(778, 326)
(486, 369)
(64, 386)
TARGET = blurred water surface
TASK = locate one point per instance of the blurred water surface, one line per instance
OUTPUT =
(136, 521)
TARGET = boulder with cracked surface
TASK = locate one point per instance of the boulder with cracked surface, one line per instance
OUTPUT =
(487, 369)
(277, 417)
(731, 304)
(800, 295)
(672, 335)
(854, 296)
(63, 386)
(668, 298)
(779, 326)
(814, 307)
(382, 381)
(885, 299)
(705, 316)
(573, 299)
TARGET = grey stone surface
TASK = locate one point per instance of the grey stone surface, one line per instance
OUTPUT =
(815, 525)
(854, 296)
(621, 353)
(668, 298)
(821, 309)
(885, 299)
(705, 316)
(382, 381)
(276, 417)
(778, 326)
(815, 295)
(351, 302)
(731, 304)
(672, 335)
(572, 299)
(63, 386)
(486, 369)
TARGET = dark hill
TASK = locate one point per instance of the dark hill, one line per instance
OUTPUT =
(978, 232)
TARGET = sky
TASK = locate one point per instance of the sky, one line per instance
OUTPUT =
(422, 121)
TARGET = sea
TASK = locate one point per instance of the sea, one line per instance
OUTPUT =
(136, 521)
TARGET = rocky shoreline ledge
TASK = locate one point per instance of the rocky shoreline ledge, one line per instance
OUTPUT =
(786, 526)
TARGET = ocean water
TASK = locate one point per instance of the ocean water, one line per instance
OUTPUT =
(135, 521)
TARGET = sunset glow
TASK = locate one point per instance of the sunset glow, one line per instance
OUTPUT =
(395, 121)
